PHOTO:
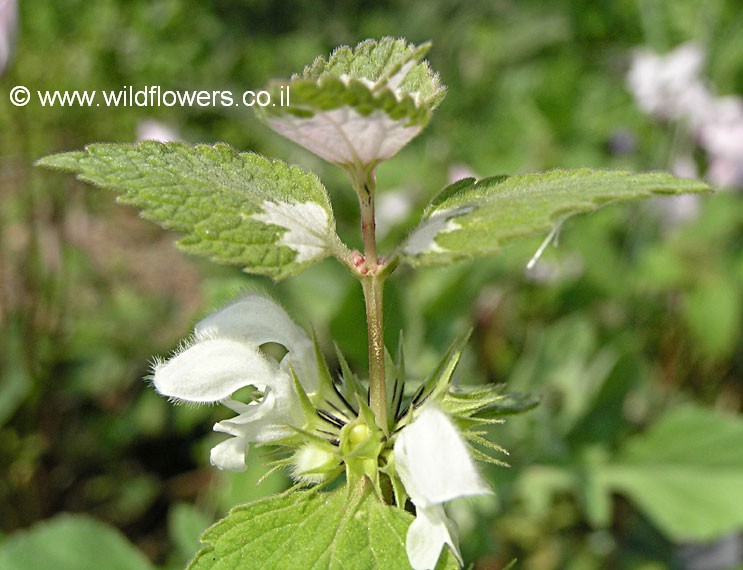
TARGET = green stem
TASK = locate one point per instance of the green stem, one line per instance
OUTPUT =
(366, 192)
(372, 283)
(373, 293)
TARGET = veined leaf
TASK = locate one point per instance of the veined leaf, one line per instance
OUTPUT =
(239, 208)
(361, 105)
(311, 529)
(472, 218)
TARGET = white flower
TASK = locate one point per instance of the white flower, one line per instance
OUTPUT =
(8, 27)
(435, 466)
(225, 356)
(392, 209)
(722, 138)
(668, 86)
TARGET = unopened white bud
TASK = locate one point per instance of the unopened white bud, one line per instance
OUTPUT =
(313, 463)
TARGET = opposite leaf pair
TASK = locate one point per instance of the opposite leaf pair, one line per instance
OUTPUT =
(355, 109)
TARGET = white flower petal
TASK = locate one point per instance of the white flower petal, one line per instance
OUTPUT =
(427, 535)
(8, 28)
(258, 320)
(267, 420)
(212, 369)
(434, 462)
(230, 454)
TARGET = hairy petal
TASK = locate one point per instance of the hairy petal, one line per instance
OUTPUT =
(258, 319)
(230, 454)
(435, 466)
(269, 419)
(434, 462)
(212, 369)
(427, 535)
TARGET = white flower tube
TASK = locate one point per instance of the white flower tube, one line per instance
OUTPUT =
(225, 357)
(435, 466)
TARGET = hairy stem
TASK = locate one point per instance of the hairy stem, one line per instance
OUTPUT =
(373, 286)
(373, 289)
(368, 221)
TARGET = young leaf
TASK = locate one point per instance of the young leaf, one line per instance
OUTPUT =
(361, 105)
(311, 529)
(237, 208)
(475, 218)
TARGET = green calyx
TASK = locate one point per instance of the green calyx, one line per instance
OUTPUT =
(341, 435)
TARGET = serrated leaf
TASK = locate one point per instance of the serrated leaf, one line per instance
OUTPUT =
(361, 105)
(470, 218)
(238, 208)
(313, 530)
(71, 542)
(686, 474)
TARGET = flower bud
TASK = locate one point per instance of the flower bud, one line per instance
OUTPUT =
(314, 463)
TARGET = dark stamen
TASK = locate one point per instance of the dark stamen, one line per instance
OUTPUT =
(337, 409)
(397, 397)
(330, 418)
(345, 402)
(330, 433)
(418, 404)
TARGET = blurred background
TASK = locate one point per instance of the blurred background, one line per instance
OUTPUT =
(629, 329)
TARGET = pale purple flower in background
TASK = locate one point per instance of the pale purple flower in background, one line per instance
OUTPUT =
(679, 209)
(684, 166)
(152, 130)
(392, 209)
(669, 86)
(722, 138)
(8, 27)
(458, 171)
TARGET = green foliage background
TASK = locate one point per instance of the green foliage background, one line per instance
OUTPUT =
(628, 319)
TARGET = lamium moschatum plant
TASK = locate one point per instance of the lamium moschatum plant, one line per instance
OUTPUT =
(375, 457)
